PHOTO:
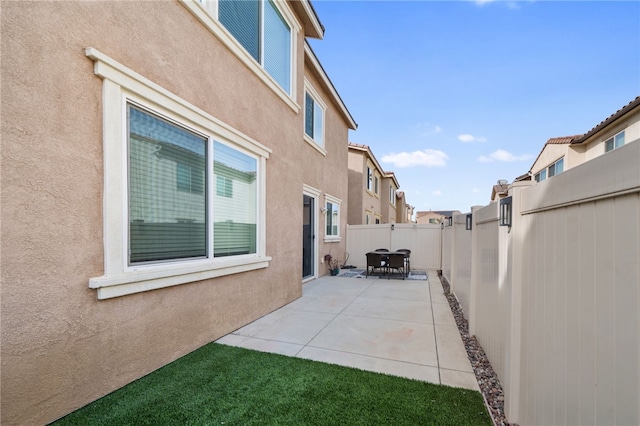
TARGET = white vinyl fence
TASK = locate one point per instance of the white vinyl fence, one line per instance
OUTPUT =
(424, 241)
(555, 298)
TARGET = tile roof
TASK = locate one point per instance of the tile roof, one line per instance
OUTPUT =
(613, 117)
(562, 140)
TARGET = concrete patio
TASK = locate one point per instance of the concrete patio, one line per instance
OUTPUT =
(403, 328)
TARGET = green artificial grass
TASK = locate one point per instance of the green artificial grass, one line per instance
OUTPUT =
(225, 385)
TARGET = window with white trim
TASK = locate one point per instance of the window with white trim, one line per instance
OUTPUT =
(376, 184)
(369, 179)
(332, 218)
(392, 195)
(262, 34)
(314, 112)
(261, 29)
(614, 142)
(185, 200)
(554, 169)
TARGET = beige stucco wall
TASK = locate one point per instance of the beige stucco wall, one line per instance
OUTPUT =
(328, 173)
(357, 176)
(550, 154)
(61, 347)
(360, 199)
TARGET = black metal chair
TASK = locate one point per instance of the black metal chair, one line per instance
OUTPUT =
(383, 250)
(395, 261)
(375, 261)
(407, 259)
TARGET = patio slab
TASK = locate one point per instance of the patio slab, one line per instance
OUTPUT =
(396, 327)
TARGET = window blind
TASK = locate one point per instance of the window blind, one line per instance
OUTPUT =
(167, 200)
(242, 19)
(235, 206)
(277, 46)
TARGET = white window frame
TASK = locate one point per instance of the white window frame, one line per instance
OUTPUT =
(370, 174)
(376, 184)
(319, 145)
(612, 139)
(392, 195)
(544, 174)
(207, 13)
(122, 85)
(336, 201)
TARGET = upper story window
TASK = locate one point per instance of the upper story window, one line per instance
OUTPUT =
(369, 178)
(262, 34)
(392, 195)
(314, 110)
(554, 169)
(260, 28)
(376, 184)
(614, 142)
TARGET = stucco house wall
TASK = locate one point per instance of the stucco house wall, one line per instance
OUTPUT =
(550, 154)
(62, 347)
(362, 201)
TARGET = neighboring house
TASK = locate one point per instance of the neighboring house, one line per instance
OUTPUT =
(404, 211)
(618, 129)
(554, 158)
(435, 217)
(365, 187)
(563, 153)
(500, 190)
(388, 202)
(171, 172)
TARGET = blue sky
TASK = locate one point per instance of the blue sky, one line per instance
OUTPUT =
(455, 95)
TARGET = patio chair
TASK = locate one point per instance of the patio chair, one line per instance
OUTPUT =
(396, 261)
(375, 261)
(407, 259)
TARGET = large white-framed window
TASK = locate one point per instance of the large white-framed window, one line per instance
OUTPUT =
(261, 33)
(392, 195)
(314, 118)
(332, 218)
(614, 142)
(186, 194)
(369, 178)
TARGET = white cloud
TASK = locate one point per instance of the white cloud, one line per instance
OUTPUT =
(437, 192)
(424, 158)
(504, 156)
(470, 138)
(475, 190)
(426, 129)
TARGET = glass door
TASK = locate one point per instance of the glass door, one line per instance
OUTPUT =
(308, 236)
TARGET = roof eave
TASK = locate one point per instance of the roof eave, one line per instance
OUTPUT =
(313, 60)
(609, 120)
(312, 26)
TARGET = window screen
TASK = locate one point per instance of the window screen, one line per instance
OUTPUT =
(167, 196)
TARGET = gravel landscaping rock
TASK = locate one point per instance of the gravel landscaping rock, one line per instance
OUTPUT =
(487, 378)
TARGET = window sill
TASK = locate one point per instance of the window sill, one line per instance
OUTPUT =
(315, 145)
(332, 239)
(137, 280)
